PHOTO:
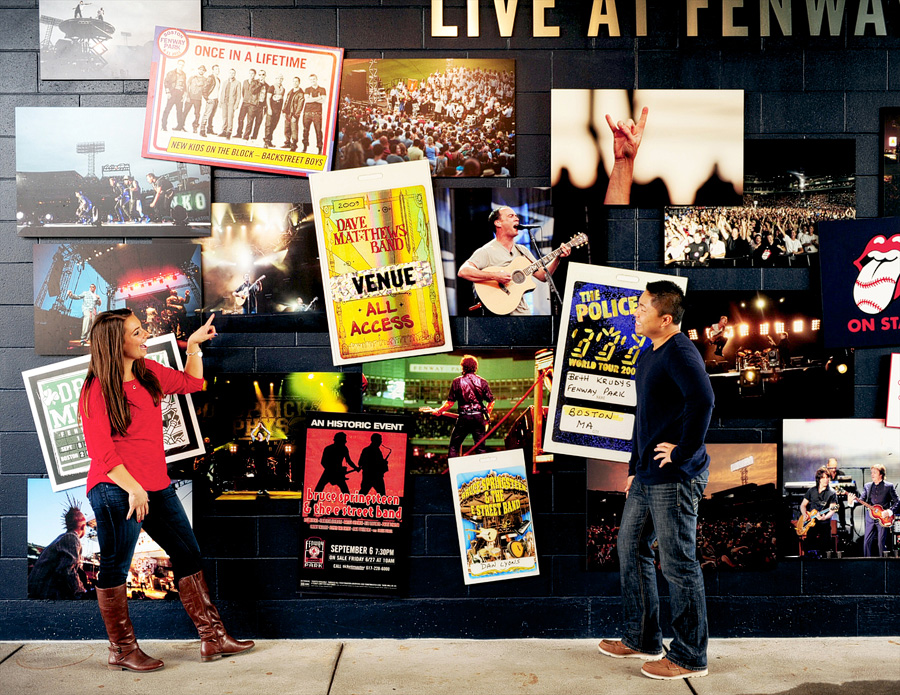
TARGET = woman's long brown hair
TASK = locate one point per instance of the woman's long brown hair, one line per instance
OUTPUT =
(107, 368)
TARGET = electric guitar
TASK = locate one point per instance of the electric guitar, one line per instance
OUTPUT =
(883, 516)
(426, 409)
(502, 298)
(805, 523)
(241, 295)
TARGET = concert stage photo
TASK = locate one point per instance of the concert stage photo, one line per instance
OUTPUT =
(767, 358)
(88, 179)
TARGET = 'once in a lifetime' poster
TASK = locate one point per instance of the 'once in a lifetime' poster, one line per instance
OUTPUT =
(241, 102)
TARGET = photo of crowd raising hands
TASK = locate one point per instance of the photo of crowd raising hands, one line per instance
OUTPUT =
(272, 111)
(747, 236)
(460, 118)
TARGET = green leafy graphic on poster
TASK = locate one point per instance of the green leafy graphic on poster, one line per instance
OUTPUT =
(53, 393)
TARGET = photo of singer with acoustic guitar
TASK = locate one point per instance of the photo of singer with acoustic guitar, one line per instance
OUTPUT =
(503, 270)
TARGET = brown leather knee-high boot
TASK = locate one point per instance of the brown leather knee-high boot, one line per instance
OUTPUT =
(215, 642)
(124, 652)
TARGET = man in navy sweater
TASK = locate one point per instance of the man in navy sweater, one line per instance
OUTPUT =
(667, 474)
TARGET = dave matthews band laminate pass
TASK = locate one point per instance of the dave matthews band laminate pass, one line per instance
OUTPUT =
(381, 269)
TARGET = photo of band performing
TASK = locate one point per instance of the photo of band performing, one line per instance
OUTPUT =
(457, 114)
(765, 354)
(89, 179)
(64, 552)
(501, 242)
(840, 488)
(159, 282)
(255, 430)
(789, 187)
(106, 39)
(737, 517)
(262, 259)
(465, 403)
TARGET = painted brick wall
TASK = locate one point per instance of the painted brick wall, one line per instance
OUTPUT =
(824, 86)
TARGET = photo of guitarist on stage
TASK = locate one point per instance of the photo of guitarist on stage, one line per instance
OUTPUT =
(814, 524)
(880, 499)
(487, 266)
(476, 403)
(245, 295)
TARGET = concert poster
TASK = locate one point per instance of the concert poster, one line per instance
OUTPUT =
(159, 282)
(260, 268)
(593, 400)
(737, 515)
(417, 386)
(443, 103)
(855, 444)
(242, 103)
(110, 40)
(354, 535)
(860, 276)
(765, 354)
(53, 392)
(464, 227)
(691, 150)
(150, 575)
(255, 430)
(381, 263)
(790, 186)
(493, 517)
(89, 178)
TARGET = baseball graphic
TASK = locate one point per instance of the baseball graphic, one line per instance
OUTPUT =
(879, 270)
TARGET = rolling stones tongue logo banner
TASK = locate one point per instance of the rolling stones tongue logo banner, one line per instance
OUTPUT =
(860, 262)
(879, 269)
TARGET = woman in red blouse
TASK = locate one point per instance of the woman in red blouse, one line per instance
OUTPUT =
(127, 482)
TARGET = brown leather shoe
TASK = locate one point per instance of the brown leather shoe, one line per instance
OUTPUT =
(617, 650)
(215, 642)
(665, 670)
(124, 652)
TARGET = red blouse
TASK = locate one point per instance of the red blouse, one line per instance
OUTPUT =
(141, 449)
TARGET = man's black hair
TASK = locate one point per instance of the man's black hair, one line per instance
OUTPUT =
(667, 299)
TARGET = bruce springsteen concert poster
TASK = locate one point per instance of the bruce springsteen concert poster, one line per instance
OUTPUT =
(53, 392)
(593, 400)
(243, 103)
(354, 535)
(381, 263)
(493, 516)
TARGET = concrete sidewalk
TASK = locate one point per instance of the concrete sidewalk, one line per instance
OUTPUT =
(827, 666)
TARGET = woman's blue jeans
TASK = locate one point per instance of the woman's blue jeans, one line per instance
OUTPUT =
(668, 513)
(166, 523)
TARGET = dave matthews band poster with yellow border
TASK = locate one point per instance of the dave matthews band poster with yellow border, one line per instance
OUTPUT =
(381, 266)
(593, 400)
(243, 103)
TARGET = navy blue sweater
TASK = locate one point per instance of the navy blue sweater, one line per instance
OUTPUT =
(674, 404)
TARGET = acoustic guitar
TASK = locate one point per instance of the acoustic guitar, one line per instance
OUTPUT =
(241, 296)
(502, 298)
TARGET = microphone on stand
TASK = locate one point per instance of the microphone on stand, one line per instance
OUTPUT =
(528, 226)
